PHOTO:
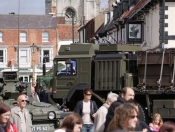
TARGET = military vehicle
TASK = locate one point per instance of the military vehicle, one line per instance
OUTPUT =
(110, 67)
(45, 117)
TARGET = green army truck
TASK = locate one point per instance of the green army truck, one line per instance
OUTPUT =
(104, 68)
(110, 67)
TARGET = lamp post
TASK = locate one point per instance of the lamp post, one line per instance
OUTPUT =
(71, 15)
(18, 34)
(44, 66)
(33, 48)
(72, 27)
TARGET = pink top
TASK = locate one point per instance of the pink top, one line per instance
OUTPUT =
(154, 128)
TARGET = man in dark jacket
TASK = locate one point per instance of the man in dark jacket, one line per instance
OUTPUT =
(127, 93)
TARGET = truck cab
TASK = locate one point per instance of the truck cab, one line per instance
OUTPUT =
(76, 63)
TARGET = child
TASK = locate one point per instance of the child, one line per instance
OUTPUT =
(156, 123)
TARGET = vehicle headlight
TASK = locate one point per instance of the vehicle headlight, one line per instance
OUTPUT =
(51, 115)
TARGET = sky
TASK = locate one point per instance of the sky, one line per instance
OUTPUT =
(29, 6)
(26, 6)
(104, 3)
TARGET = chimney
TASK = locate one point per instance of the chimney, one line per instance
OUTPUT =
(54, 10)
(110, 4)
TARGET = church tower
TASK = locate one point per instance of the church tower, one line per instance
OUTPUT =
(81, 10)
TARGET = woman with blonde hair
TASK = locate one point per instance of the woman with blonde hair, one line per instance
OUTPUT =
(125, 118)
(157, 122)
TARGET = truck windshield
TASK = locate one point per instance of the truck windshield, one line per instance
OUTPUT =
(67, 67)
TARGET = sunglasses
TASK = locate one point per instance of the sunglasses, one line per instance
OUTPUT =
(88, 94)
(23, 100)
(134, 116)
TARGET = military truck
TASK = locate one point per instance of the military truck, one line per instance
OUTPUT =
(110, 67)
(45, 117)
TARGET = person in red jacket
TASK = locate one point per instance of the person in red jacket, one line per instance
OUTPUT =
(5, 124)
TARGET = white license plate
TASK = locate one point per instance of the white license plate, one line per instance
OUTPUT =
(40, 128)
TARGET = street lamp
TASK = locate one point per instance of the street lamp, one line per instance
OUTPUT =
(71, 14)
(18, 33)
(33, 48)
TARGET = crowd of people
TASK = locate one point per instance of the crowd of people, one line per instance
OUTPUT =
(120, 113)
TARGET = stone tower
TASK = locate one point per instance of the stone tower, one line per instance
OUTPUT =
(82, 10)
(48, 6)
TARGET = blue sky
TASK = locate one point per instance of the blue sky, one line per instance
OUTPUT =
(29, 6)
(26, 6)
(104, 3)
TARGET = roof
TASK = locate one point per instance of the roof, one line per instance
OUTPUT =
(110, 26)
(135, 9)
(14, 21)
(89, 22)
(102, 31)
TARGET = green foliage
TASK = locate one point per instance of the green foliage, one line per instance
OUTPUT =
(45, 80)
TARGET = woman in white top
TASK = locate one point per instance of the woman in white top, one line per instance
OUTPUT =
(72, 123)
(87, 108)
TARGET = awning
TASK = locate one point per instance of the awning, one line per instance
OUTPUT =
(140, 5)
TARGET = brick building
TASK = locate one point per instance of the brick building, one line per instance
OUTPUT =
(27, 32)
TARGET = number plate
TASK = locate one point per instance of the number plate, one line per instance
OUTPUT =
(40, 128)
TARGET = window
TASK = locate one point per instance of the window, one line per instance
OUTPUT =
(45, 37)
(123, 36)
(3, 57)
(23, 37)
(46, 56)
(107, 17)
(1, 37)
(24, 57)
(24, 78)
(67, 67)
